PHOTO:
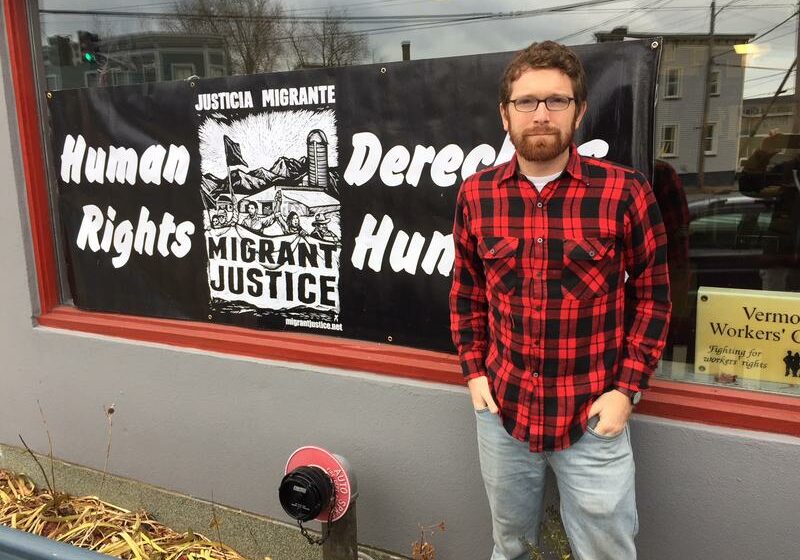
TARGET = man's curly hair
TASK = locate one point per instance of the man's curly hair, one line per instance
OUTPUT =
(547, 54)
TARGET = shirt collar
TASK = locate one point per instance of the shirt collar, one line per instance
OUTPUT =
(574, 166)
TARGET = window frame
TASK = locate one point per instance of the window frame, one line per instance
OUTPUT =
(182, 65)
(715, 91)
(90, 73)
(708, 404)
(679, 85)
(56, 79)
(219, 67)
(154, 68)
(714, 138)
(674, 152)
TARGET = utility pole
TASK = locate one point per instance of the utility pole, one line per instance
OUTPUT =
(701, 152)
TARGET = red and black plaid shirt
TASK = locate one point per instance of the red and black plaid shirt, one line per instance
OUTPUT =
(539, 302)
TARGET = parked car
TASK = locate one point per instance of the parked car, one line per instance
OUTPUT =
(731, 240)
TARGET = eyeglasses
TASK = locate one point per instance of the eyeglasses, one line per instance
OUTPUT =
(530, 104)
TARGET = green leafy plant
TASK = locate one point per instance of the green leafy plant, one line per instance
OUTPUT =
(554, 537)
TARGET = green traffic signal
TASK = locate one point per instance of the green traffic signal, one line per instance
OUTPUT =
(89, 44)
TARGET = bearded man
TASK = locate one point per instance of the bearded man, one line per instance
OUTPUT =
(555, 343)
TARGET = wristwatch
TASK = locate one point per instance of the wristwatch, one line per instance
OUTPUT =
(635, 396)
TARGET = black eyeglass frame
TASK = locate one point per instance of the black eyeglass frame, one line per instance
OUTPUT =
(539, 101)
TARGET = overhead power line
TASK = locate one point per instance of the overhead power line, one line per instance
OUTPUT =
(606, 22)
(345, 18)
(454, 19)
(279, 17)
(768, 76)
(770, 93)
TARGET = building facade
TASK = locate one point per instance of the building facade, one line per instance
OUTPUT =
(134, 59)
(761, 117)
(212, 411)
(679, 108)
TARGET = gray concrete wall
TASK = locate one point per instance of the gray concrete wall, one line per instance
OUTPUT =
(198, 423)
(708, 493)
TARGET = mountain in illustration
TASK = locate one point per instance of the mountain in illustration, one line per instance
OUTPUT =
(285, 172)
(244, 182)
(289, 168)
(209, 183)
(264, 174)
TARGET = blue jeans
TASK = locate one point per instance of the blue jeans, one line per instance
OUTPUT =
(595, 483)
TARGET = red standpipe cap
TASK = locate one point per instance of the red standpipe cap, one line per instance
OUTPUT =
(337, 468)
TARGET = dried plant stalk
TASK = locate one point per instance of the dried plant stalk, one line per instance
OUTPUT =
(91, 523)
(422, 549)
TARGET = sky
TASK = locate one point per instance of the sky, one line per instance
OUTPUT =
(514, 28)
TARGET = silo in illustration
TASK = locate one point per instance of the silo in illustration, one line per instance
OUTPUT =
(317, 159)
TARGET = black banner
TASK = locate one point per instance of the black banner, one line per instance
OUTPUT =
(317, 201)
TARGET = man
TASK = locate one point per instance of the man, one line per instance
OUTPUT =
(320, 229)
(252, 220)
(554, 343)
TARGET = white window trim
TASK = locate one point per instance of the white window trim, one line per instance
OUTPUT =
(175, 65)
(679, 93)
(714, 138)
(674, 152)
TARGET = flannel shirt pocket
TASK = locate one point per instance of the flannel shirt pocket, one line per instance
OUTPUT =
(590, 267)
(499, 255)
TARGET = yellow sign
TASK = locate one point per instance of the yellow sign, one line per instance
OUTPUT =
(748, 333)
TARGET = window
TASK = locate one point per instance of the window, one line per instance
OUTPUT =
(149, 73)
(710, 139)
(713, 84)
(177, 58)
(669, 140)
(53, 81)
(672, 88)
(92, 79)
(182, 71)
(117, 77)
(669, 51)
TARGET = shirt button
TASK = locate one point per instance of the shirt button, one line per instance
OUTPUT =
(539, 204)
(591, 253)
(540, 240)
(536, 374)
(491, 251)
(538, 308)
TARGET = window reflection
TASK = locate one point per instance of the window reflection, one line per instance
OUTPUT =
(727, 184)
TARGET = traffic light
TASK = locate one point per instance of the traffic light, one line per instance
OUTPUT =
(89, 44)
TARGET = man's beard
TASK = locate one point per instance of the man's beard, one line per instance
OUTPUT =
(548, 143)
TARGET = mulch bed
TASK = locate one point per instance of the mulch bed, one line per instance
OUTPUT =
(91, 523)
